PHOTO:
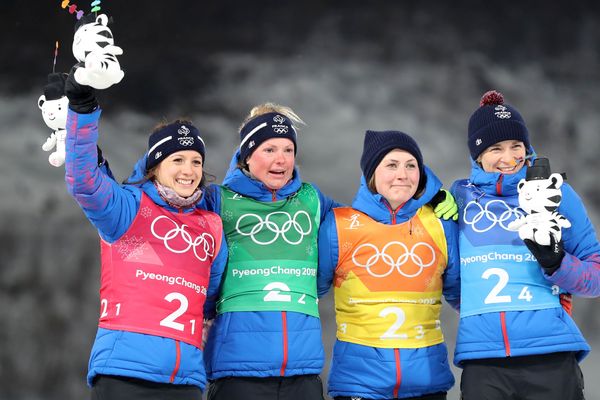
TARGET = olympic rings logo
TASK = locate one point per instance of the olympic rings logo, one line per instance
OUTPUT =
(397, 263)
(269, 225)
(280, 129)
(501, 112)
(490, 217)
(205, 241)
(186, 141)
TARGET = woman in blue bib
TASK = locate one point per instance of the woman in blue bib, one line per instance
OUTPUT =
(516, 337)
(390, 260)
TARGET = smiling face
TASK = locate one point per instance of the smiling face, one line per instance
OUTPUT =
(272, 162)
(180, 171)
(506, 157)
(54, 112)
(397, 177)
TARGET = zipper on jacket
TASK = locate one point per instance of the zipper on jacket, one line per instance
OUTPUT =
(398, 372)
(283, 320)
(285, 343)
(505, 333)
(392, 212)
(177, 361)
(499, 185)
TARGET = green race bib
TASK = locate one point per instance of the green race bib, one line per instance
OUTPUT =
(273, 253)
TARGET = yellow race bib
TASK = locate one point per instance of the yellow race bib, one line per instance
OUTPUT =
(388, 282)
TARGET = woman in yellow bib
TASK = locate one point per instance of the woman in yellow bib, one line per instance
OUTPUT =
(390, 259)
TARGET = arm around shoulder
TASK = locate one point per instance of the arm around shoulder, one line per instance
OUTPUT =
(216, 276)
(451, 276)
(327, 203)
(328, 253)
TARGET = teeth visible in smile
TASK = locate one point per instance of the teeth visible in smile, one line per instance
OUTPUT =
(184, 181)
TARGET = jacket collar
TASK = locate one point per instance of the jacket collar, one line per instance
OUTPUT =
(377, 207)
(138, 173)
(239, 182)
(495, 183)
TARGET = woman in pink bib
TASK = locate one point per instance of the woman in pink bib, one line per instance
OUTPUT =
(162, 258)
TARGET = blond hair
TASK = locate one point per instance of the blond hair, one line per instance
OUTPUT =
(269, 107)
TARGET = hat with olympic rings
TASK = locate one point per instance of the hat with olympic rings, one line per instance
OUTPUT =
(176, 136)
(495, 122)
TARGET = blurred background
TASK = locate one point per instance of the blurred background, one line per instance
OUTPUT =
(343, 66)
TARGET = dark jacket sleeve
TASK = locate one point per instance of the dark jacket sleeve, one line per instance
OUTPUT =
(451, 275)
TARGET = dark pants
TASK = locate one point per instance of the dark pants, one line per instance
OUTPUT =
(107, 387)
(555, 376)
(300, 387)
(432, 396)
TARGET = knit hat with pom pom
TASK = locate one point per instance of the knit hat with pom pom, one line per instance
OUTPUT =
(494, 122)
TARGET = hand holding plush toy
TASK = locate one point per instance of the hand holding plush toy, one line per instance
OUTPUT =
(541, 228)
(97, 68)
(53, 104)
(101, 69)
(539, 197)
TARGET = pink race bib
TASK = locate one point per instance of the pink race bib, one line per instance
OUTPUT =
(155, 277)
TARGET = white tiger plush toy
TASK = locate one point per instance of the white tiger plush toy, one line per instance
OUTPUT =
(93, 45)
(539, 197)
(54, 104)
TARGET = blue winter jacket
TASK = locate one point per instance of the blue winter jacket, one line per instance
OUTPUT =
(371, 372)
(522, 333)
(112, 208)
(263, 343)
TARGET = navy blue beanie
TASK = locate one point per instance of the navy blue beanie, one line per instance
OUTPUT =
(262, 128)
(494, 122)
(171, 138)
(378, 144)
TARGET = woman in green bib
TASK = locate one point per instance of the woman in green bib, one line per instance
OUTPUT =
(390, 259)
(265, 342)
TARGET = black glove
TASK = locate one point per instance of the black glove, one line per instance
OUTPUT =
(82, 99)
(101, 159)
(55, 88)
(549, 257)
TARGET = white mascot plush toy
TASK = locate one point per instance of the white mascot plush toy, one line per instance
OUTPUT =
(94, 46)
(54, 104)
(539, 197)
